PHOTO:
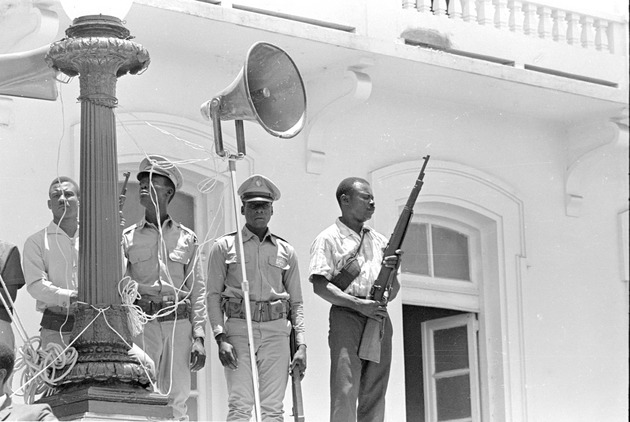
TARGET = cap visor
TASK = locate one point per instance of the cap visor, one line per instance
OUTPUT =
(258, 199)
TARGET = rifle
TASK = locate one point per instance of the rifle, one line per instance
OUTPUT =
(296, 386)
(122, 197)
(370, 348)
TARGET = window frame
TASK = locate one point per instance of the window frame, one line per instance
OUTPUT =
(443, 292)
(428, 328)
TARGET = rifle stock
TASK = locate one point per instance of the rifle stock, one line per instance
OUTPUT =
(296, 384)
(370, 347)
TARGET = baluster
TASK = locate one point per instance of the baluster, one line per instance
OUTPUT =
(587, 31)
(409, 4)
(423, 6)
(530, 26)
(439, 7)
(601, 34)
(484, 12)
(516, 15)
(573, 30)
(500, 14)
(466, 13)
(455, 9)
(559, 32)
(544, 23)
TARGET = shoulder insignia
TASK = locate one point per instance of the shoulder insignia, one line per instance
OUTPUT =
(280, 238)
(187, 230)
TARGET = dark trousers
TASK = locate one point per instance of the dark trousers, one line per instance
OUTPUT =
(352, 379)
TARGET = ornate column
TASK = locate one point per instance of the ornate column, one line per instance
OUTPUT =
(99, 50)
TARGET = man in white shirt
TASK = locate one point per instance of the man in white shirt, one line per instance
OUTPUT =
(50, 262)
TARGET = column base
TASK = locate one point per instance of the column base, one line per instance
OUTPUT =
(112, 402)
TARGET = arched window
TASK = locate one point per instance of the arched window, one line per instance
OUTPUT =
(459, 307)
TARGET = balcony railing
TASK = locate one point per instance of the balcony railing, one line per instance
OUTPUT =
(528, 18)
(589, 47)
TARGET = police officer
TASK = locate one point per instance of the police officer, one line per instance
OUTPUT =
(162, 258)
(275, 293)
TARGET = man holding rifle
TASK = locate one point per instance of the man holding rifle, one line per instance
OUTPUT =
(346, 259)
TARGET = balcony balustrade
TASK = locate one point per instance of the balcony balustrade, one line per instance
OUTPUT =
(528, 18)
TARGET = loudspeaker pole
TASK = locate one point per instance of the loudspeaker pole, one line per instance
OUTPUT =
(245, 287)
(270, 91)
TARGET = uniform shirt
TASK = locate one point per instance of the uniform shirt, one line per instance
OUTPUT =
(50, 266)
(272, 272)
(335, 245)
(165, 263)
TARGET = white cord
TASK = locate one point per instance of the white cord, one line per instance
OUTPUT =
(41, 366)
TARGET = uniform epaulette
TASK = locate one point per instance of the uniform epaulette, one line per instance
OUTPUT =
(278, 237)
(187, 230)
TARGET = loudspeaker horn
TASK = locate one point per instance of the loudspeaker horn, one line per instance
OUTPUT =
(268, 89)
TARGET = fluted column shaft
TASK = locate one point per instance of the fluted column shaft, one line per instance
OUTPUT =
(98, 61)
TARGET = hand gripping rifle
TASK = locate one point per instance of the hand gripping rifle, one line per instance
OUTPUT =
(296, 386)
(370, 348)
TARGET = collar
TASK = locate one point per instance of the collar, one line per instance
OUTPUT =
(248, 234)
(5, 401)
(55, 229)
(346, 231)
(168, 222)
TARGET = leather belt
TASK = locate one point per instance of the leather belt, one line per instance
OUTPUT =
(262, 311)
(57, 321)
(150, 307)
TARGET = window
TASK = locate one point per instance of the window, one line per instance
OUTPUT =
(450, 370)
(448, 250)
(483, 222)
(440, 343)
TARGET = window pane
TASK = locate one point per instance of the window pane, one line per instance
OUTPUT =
(416, 259)
(451, 349)
(453, 398)
(450, 254)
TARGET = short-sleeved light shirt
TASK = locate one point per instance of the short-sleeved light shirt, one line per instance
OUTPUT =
(164, 262)
(332, 248)
(271, 267)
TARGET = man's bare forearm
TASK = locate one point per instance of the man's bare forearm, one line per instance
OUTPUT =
(331, 293)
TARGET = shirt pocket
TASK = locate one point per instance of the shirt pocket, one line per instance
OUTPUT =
(279, 262)
(141, 261)
(137, 255)
(233, 265)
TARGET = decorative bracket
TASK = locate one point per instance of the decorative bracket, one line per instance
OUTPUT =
(590, 145)
(356, 87)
